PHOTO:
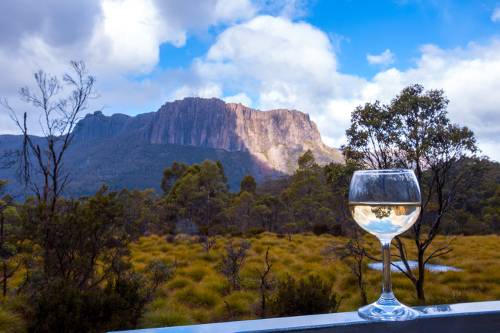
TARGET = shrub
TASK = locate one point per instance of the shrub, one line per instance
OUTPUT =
(10, 322)
(320, 228)
(308, 296)
(58, 307)
(165, 318)
(197, 297)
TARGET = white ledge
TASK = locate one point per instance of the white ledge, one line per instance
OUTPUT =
(478, 317)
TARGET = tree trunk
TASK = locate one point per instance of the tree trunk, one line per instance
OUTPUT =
(421, 277)
(263, 304)
(4, 284)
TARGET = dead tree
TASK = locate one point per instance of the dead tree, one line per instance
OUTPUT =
(232, 262)
(353, 254)
(59, 116)
(44, 157)
(265, 284)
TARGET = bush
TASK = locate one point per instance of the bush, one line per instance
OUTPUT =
(309, 296)
(58, 307)
(254, 231)
(10, 322)
(320, 228)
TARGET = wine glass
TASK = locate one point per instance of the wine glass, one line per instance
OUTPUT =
(385, 203)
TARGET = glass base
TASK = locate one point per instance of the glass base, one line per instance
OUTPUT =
(387, 308)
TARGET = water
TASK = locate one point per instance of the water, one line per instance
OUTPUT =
(413, 265)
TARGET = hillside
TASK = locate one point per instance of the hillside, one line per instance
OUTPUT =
(131, 152)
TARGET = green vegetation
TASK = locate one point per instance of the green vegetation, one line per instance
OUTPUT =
(200, 253)
(187, 298)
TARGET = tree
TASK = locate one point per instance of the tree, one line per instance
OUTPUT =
(265, 284)
(232, 262)
(353, 254)
(199, 196)
(45, 156)
(308, 199)
(140, 210)
(414, 132)
(85, 282)
(307, 160)
(248, 184)
(59, 116)
(241, 211)
(8, 241)
(170, 176)
(338, 176)
(269, 210)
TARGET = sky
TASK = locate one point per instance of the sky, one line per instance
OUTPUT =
(322, 57)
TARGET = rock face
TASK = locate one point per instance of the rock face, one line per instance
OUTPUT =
(121, 151)
(276, 137)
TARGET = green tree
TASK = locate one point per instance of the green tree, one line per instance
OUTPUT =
(308, 198)
(270, 211)
(199, 196)
(248, 184)
(339, 177)
(414, 132)
(170, 176)
(84, 283)
(8, 238)
(240, 212)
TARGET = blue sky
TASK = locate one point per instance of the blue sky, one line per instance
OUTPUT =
(318, 56)
(359, 27)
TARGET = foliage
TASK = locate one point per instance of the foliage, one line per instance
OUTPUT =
(414, 132)
(309, 199)
(199, 196)
(248, 184)
(307, 296)
(80, 280)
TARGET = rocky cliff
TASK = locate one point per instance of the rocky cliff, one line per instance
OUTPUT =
(121, 151)
(276, 137)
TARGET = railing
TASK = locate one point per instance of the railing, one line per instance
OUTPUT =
(479, 317)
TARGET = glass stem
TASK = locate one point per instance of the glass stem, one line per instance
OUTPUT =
(386, 282)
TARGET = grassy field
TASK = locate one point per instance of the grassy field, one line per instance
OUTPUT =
(198, 293)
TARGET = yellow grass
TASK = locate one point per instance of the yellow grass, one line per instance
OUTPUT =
(199, 293)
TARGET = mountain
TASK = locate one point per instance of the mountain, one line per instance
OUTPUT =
(131, 152)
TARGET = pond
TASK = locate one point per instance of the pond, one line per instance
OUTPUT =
(413, 265)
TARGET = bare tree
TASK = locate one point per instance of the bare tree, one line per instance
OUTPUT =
(265, 284)
(208, 242)
(353, 254)
(59, 116)
(61, 105)
(232, 262)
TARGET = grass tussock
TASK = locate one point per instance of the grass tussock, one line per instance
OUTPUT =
(200, 293)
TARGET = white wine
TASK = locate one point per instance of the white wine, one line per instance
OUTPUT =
(385, 219)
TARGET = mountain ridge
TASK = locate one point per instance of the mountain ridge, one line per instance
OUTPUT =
(275, 137)
(125, 151)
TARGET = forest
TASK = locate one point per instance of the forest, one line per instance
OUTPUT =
(199, 253)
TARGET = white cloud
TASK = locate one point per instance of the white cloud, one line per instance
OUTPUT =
(241, 98)
(284, 63)
(495, 16)
(277, 61)
(385, 58)
(117, 38)
(293, 64)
